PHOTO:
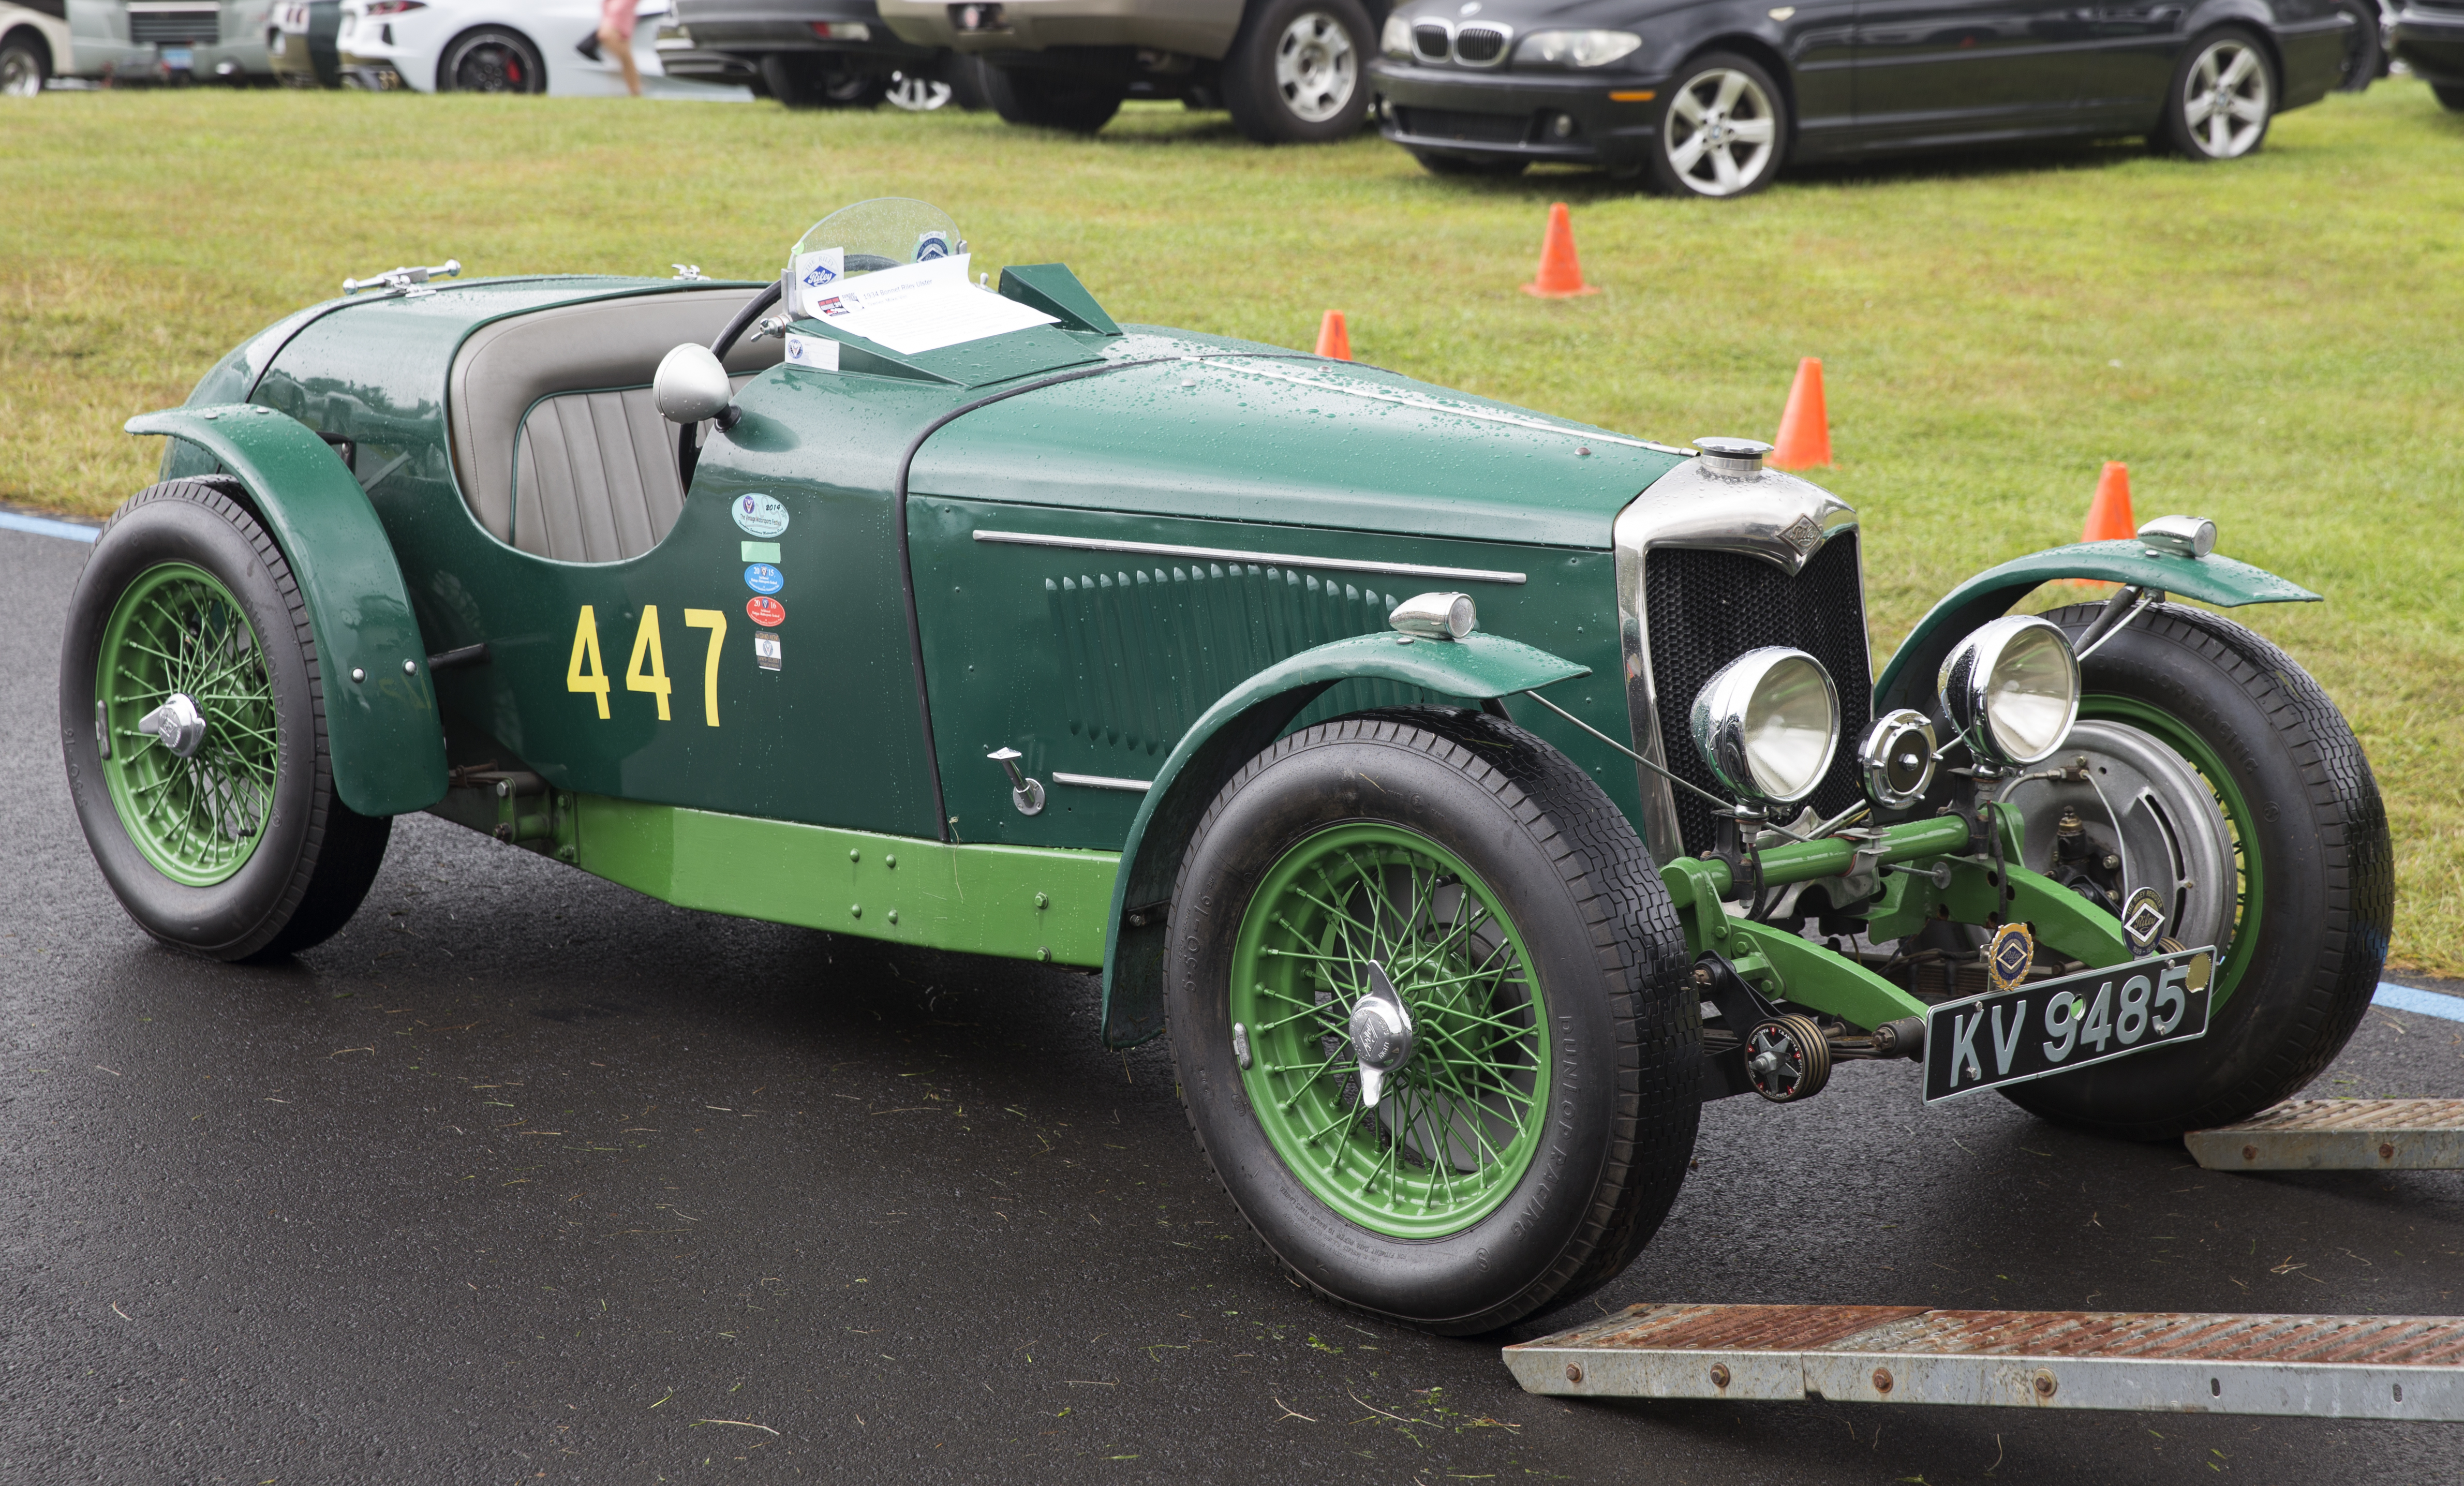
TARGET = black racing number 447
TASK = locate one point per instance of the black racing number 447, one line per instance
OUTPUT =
(2053, 1026)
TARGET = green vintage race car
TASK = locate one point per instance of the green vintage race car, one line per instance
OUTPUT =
(1471, 793)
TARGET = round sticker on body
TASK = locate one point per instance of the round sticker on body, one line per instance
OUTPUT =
(760, 516)
(765, 578)
(766, 612)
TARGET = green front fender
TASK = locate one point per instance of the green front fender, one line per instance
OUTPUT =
(1908, 681)
(1234, 730)
(387, 743)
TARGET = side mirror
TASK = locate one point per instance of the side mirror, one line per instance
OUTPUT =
(691, 385)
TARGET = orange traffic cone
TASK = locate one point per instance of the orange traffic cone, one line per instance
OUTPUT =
(1333, 341)
(1561, 273)
(2108, 516)
(1805, 424)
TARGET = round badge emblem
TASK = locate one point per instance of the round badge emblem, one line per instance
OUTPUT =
(760, 516)
(765, 578)
(767, 613)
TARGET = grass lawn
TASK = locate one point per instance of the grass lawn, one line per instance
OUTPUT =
(2273, 343)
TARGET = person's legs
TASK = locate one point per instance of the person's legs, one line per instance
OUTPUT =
(616, 39)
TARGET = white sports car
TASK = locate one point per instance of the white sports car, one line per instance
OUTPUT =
(501, 46)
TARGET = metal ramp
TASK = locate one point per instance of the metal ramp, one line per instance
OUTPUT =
(2339, 1135)
(2171, 1361)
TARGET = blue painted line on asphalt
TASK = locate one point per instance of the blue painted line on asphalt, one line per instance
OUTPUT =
(40, 526)
(2425, 1003)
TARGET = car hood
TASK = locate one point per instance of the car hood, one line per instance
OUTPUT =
(1222, 429)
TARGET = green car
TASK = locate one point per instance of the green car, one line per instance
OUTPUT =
(1471, 793)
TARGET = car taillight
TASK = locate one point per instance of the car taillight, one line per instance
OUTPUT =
(842, 31)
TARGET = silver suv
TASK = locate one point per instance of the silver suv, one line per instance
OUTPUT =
(1289, 70)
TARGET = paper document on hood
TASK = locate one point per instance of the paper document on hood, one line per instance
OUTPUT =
(920, 307)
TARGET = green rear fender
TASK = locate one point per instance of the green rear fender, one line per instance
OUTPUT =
(1231, 733)
(387, 743)
(1908, 681)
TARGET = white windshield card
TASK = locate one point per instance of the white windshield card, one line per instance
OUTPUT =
(921, 307)
(817, 274)
(812, 352)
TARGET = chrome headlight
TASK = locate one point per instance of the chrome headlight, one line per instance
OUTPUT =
(2012, 690)
(1897, 756)
(1573, 48)
(1767, 725)
(1396, 41)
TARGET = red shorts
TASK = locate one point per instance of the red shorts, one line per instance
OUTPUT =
(617, 16)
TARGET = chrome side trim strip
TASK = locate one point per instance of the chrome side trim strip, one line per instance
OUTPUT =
(1281, 560)
(1430, 405)
(1103, 781)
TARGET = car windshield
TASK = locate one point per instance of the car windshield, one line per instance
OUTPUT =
(886, 232)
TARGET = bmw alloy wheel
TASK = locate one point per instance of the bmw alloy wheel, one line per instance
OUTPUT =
(1721, 134)
(1316, 69)
(2226, 99)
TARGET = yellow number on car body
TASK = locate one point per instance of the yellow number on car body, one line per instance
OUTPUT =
(716, 622)
(645, 644)
(585, 646)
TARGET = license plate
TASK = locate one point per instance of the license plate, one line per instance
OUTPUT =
(2052, 1026)
(179, 58)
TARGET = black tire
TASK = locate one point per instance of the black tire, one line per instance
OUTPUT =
(1044, 100)
(2210, 136)
(2312, 818)
(1494, 166)
(316, 857)
(22, 69)
(1297, 73)
(818, 79)
(2450, 94)
(2365, 50)
(965, 75)
(490, 59)
(1758, 111)
(1605, 947)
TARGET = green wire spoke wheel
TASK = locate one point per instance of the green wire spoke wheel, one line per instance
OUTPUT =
(195, 793)
(1433, 1018)
(2311, 897)
(1456, 1125)
(193, 729)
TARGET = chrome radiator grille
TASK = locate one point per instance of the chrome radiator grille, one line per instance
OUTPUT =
(1706, 609)
(200, 26)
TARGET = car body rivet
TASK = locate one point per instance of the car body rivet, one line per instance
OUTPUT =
(2250, 1152)
(1041, 902)
(854, 855)
(1881, 1380)
(1043, 953)
(855, 911)
(890, 860)
(1573, 1372)
(2387, 1152)
(411, 668)
(894, 916)
(2046, 1386)
(1718, 1375)
(358, 674)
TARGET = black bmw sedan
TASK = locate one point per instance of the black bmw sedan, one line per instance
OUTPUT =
(1711, 97)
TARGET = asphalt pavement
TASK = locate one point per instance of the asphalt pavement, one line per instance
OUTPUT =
(526, 1177)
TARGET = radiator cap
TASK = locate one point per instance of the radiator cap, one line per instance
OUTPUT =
(1739, 458)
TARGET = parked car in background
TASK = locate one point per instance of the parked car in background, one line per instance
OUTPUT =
(1710, 97)
(812, 54)
(498, 46)
(2430, 40)
(34, 39)
(159, 40)
(1289, 70)
(300, 43)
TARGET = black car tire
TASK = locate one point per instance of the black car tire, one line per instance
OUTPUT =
(2448, 94)
(965, 75)
(316, 858)
(2365, 48)
(1600, 938)
(1498, 167)
(490, 59)
(1296, 73)
(1697, 131)
(22, 71)
(2313, 831)
(2190, 127)
(1044, 99)
(808, 79)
